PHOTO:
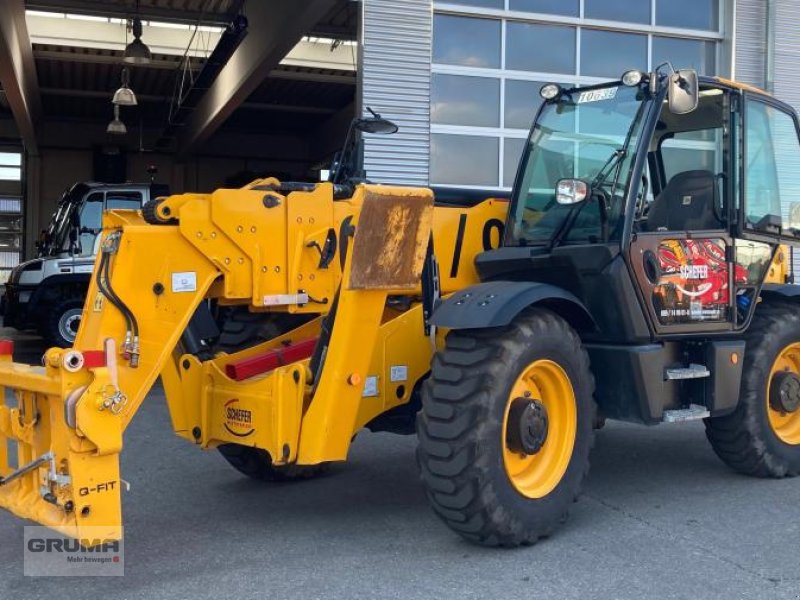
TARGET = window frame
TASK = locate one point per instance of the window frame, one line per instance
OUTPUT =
(18, 167)
(504, 15)
(742, 230)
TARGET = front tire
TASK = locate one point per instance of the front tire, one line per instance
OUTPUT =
(62, 322)
(506, 428)
(761, 438)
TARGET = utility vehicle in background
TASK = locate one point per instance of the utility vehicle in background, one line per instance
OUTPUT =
(47, 293)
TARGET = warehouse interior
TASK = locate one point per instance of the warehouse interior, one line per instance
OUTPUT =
(228, 91)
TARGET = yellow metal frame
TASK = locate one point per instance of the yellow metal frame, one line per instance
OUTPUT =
(250, 246)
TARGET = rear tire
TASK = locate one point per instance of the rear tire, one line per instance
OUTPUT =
(61, 324)
(257, 464)
(480, 484)
(756, 439)
(240, 328)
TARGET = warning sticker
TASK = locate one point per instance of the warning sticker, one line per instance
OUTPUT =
(370, 387)
(398, 373)
(184, 282)
(98, 303)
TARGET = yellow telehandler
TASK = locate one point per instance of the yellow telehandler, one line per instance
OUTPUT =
(637, 273)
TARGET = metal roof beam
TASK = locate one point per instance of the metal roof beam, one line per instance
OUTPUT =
(262, 106)
(18, 73)
(172, 65)
(123, 11)
(275, 28)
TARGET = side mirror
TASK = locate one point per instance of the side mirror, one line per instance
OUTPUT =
(571, 191)
(683, 93)
(376, 125)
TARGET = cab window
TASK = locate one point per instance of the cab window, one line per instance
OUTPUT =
(687, 169)
(124, 200)
(771, 170)
(91, 223)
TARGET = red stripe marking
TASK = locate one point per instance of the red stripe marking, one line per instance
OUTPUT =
(264, 363)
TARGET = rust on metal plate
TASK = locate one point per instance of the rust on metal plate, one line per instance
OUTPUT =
(391, 239)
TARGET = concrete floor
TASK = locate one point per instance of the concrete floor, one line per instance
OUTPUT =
(661, 517)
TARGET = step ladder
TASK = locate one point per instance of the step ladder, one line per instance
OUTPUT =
(693, 371)
(694, 411)
(680, 415)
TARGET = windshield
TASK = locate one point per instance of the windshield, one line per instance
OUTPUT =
(590, 134)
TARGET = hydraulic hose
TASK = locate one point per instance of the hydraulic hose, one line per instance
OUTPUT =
(103, 280)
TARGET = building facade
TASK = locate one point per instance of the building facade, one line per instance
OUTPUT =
(468, 72)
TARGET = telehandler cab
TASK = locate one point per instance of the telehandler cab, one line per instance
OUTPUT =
(625, 280)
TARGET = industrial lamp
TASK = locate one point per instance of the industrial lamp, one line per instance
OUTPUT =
(137, 52)
(124, 96)
(116, 126)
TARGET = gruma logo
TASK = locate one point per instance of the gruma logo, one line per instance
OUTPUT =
(238, 421)
(48, 553)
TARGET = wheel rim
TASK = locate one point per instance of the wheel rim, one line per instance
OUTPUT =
(536, 475)
(785, 425)
(68, 324)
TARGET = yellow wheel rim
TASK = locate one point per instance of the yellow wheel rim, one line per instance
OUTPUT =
(536, 475)
(786, 425)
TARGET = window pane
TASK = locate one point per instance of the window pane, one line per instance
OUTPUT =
(522, 102)
(512, 152)
(553, 7)
(13, 205)
(486, 3)
(92, 214)
(685, 54)
(125, 200)
(457, 100)
(10, 241)
(772, 165)
(617, 10)
(464, 159)
(677, 159)
(10, 159)
(91, 224)
(610, 54)
(546, 48)
(9, 259)
(10, 223)
(689, 14)
(466, 41)
(11, 173)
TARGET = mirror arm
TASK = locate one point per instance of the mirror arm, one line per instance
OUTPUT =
(335, 176)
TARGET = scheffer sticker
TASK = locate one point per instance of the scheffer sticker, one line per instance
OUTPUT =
(238, 420)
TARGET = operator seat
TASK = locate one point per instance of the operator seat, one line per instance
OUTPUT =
(687, 203)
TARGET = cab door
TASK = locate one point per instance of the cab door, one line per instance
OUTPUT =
(682, 251)
(769, 211)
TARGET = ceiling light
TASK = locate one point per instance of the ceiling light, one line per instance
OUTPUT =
(137, 52)
(124, 96)
(116, 126)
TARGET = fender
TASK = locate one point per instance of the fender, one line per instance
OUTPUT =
(42, 291)
(777, 291)
(496, 303)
